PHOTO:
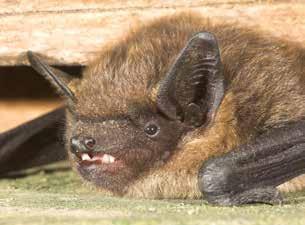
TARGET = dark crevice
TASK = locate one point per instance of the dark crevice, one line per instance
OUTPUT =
(22, 82)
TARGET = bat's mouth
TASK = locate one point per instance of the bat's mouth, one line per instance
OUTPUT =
(112, 170)
(100, 158)
(106, 162)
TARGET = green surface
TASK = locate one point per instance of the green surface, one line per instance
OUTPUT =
(55, 195)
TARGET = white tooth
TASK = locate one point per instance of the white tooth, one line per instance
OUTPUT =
(108, 158)
(105, 159)
(111, 158)
(85, 156)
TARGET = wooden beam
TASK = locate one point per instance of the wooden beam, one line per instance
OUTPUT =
(73, 32)
(34, 6)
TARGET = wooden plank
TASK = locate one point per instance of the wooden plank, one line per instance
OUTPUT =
(73, 32)
(14, 113)
(34, 6)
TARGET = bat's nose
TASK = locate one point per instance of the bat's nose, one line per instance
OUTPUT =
(82, 144)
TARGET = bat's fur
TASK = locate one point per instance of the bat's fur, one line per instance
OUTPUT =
(264, 89)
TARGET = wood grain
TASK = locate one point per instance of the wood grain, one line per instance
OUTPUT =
(73, 32)
(34, 6)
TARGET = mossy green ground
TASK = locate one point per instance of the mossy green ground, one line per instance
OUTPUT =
(55, 195)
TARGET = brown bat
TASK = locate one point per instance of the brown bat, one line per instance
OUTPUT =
(180, 108)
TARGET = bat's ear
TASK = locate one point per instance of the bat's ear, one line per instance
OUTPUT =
(58, 78)
(193, 88)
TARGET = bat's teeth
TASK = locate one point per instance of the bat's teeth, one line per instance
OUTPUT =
(111, 159)
(85, 156)
(105, 158)
(108, 158)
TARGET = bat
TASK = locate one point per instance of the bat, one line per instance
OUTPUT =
(178, 108)
(32, 144)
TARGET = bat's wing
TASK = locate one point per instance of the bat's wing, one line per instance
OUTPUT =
(32, 144)
(251, 172)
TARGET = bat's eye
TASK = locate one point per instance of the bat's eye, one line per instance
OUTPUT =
(151, 129)
(89, 143)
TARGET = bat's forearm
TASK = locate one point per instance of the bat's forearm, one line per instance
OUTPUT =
(252, 171)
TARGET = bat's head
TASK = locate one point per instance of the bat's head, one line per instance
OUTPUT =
(133, 106)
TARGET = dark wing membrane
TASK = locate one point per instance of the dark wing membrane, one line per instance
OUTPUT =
(34, 143)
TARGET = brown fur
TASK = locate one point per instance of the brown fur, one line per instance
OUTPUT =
(265, 89)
